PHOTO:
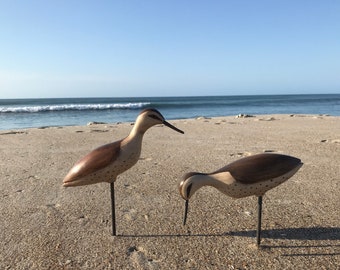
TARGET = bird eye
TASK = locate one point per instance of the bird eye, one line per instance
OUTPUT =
(154, 116)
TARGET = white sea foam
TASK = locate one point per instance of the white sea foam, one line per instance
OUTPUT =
(71, 107)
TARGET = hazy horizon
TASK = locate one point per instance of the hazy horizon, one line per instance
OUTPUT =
(177, 96)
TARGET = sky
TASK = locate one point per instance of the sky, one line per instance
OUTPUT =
(128, 48)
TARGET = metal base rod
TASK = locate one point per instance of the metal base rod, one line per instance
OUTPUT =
(259, 218)
(185, 212)
(112, 185)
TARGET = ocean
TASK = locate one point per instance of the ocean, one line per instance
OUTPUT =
(27, 113)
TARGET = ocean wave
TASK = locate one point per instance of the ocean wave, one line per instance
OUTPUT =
(72, 107)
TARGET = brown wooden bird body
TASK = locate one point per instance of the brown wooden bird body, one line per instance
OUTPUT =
(106, 162)
(253, 175)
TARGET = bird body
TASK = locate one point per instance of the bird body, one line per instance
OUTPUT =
(106, 162)
(253, 175)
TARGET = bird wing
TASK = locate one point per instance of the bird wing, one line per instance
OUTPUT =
(261, 167)
(94, 161)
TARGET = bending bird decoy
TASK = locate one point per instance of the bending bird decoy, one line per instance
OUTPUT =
(105, 163)
(253, 175)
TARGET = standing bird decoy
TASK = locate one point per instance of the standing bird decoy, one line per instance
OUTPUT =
(106, 162)
(253, 175)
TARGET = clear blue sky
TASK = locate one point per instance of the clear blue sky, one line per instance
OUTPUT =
(153, 48)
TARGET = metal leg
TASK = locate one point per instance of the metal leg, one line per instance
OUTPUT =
(185, 212)
(112, 185)
(259, 218)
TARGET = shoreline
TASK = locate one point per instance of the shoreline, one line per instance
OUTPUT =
(177, 119)
(44, 225)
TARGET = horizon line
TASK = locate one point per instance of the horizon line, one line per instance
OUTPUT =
(168, 96)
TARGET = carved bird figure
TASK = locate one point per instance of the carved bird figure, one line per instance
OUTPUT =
(106, 162)
(253, 175)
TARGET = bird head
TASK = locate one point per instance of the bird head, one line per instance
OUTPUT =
(150, 117)
(190, 183)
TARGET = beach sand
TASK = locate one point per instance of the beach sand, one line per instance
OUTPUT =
(46, 226)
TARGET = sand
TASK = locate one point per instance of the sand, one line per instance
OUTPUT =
(46, 226)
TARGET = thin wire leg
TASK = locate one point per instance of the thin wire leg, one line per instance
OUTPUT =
(259, 218)
(112, 185)
(185, 212)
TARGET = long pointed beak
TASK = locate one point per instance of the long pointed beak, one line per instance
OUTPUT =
(172, 127)
(185, 212)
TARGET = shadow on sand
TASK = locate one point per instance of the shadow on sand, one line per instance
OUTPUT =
(311, 233)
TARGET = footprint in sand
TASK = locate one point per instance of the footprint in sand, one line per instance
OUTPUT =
(246, 154)
(240, 154)
(130, 214)
(99, 130)
(139, 259)
(266, 119)
(146, 159)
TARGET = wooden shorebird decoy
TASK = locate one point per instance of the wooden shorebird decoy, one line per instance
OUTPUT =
(106, 162)
(253, 175)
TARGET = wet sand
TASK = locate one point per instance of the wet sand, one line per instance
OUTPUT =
(46, 226)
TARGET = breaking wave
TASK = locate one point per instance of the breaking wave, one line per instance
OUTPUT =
(72, 107)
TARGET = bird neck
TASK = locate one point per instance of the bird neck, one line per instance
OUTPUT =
(134, 139)
(141, 126)
(135, 134)
(220, 181)
(137, 130)
(198, 181)
(214, 180)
